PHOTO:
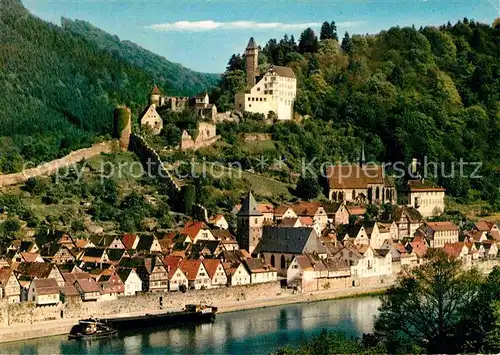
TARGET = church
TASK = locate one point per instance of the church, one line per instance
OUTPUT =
(273, 92)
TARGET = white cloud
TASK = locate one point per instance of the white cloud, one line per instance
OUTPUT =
(210, 25)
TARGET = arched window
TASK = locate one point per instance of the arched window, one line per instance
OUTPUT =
(341, 197)
(377, 193)
(283, 263)
(370, 195)
(387, 195)
(334, 196)
(273, 262)
(353, 194)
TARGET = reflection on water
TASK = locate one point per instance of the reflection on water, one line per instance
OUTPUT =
(247, 332)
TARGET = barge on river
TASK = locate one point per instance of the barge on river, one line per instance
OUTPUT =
(190, 314)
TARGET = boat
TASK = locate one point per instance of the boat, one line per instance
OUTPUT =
(190, 314)
(89, 329)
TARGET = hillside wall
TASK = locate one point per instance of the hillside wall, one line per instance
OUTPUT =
(51, 167)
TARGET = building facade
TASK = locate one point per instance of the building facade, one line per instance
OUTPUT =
(274, 92)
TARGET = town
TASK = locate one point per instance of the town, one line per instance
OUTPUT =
(306, 246)
(359, 231)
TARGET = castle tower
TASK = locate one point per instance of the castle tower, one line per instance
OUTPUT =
(249, 224)
(155, 96)
(252, 62)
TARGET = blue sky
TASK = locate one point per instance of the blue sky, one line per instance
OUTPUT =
(203, 34)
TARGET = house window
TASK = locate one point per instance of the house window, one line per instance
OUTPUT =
(283, 262)
(258, 89)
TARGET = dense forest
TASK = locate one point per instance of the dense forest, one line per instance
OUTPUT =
(405, 92)
(59, 87)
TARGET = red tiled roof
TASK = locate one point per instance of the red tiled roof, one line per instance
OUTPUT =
(192, 228)
(46, 286)
(128, 240)
(442, 226)
(356, 210)
(5, 273)
(32, 270)
(306, 208)
(354, 176)
(171, 262)
(88, 285)
(30, 257)
(281, 210)
(420, 185)
(485, 226)
(288, 222)
(190, 268)
(453, 249)
(211, 266)
(71, 277)
(306, 221)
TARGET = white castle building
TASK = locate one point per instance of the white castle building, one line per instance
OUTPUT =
(274, 91)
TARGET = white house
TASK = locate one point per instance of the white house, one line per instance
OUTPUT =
(196, 274)
(132, 281)
(237, 274)
(44, 292)
(366, 262)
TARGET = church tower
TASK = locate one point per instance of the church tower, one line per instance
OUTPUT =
(155, 96)
(252, 62)
(249, 224)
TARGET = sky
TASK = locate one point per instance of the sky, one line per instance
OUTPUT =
(202, 35)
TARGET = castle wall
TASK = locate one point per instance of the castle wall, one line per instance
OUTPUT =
(51, 167)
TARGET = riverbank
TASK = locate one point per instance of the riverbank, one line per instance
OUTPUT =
(61, 327)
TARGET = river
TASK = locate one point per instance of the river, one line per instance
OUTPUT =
(257, 331)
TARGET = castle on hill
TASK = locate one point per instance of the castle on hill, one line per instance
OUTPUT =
(272, 92)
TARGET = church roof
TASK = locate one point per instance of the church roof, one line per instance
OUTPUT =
(251, 44)
(282, 71)
(249, 207)
(155, 91)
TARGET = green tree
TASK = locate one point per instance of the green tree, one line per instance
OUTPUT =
(326, 31)
(308, 42)
(346, 43)
(308, 187)
(427, 304)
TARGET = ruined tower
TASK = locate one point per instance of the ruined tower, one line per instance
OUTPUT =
(249, 224)
(252, 62)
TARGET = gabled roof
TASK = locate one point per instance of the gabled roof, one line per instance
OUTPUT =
(441, 226)
(71, 277)
(304, 208)
(145, 242)
(423, 185)
(116, 254)
(281, 210)
(223, 235)
(281, 71)
(171, 263)
(249, 207)
(26, 246)
(413, 215)
(288, 222)
(256, 265)
(30, 257)
(190, 268)
(484, 226)
(354, 176)
(68, 291)
(88, 285)
(124, 273)
(129, 240)
(30, 271)
(46, 286)
(192, 228)
(5, 274)
(289, 240)
(331, 207)
(211, 266)
(454, 249)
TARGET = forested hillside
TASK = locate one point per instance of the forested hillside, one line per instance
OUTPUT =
(405, 92)
(58, 89)
(177, 79)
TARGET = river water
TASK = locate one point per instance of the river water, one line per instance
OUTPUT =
(258, 331)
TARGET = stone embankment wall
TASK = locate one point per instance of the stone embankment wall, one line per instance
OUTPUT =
(51, 167)
(27, 313)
